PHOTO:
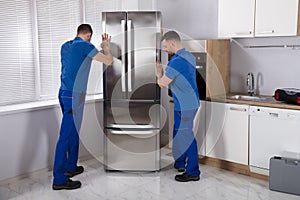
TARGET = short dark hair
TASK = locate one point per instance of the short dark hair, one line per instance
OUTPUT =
(84, 29)
(171, 35)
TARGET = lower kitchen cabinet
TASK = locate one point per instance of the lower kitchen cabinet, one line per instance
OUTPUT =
(227, 132)
(199, 127)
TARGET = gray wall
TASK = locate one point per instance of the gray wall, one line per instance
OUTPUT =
(273, 67)
(200, 15)
(28, 138)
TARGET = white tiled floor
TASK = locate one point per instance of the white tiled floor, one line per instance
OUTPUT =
(215, 184)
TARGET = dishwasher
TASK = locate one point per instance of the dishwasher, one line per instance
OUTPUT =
(272, 132)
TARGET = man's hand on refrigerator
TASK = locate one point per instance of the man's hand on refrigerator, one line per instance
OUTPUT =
(105, 57)
(105, 45)
(159, 69)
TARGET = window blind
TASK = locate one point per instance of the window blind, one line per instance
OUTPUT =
(93, 9)
(32, 32)
(17, 72)
(57, 22)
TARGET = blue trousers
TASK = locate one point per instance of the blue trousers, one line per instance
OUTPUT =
(66, 154)
(185, 151)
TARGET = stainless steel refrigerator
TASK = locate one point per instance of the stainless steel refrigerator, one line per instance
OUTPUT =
(131, 95)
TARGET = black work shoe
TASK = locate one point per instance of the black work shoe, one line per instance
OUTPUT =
(179, 169)
(74, 172)
(185, 178)
(68, 185)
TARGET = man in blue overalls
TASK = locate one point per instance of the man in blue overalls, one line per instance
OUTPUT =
(180, 76)
(76, 58)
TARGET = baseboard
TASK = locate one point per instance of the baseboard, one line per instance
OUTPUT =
(230, 166)
(44, 170)
(25, 175)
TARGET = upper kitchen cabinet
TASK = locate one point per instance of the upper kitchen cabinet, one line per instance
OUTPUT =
(276, 18)
(258, 18)
(215, 19)
(236, 18)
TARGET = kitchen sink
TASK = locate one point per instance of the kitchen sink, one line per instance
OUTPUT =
(247, 97)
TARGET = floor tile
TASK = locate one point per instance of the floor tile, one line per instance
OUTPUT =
(98, 184)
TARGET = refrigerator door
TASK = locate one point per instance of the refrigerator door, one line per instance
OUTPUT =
(132, 150)
(131, 113)
(143, 36)
(114, 80)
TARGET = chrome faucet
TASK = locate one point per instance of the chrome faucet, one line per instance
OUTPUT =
(250, 83)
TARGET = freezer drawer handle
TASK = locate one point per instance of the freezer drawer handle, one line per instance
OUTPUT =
(126, 132)
(129, 126)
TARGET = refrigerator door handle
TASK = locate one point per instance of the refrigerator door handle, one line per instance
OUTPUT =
(129, 22)
(123, 56)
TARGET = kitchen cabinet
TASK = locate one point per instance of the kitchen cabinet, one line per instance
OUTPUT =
(273, 132)
(218, 68)
(217, 64)
(199, 127)
(227, 132)
(276, 18)
(236, 18)
(258, 18)
(217, 19)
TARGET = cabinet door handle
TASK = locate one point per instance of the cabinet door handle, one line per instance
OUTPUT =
(238, 109)
(266, 32)
(244, 33)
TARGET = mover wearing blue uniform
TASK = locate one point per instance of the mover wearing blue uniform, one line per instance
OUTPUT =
(180, 76)
(76, 58)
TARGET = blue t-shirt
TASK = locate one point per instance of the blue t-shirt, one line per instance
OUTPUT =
(76, 59)
(182, 70)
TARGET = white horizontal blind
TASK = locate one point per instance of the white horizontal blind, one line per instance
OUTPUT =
(57, 23)
(17, 73)
(93, 9)
(93, 16)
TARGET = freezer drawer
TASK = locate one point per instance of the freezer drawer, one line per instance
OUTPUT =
(132, 150)
(134, 113)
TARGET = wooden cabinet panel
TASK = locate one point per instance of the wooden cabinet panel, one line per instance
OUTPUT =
(218, 68)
